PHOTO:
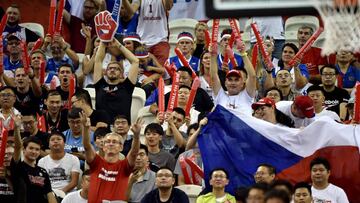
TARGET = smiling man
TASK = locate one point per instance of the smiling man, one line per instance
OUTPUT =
(218, 180)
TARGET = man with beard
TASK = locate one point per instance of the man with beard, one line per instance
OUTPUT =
(165, 191)
(90, 9)
(65, 72)
(59, 48)
(142, 179)
(334, 96)
(12, 25)
(114, 94)
(27, 97)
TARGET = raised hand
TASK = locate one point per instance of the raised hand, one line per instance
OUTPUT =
(213, 49)
(105, 26)
(85, 121)
(240, 46)
(136, 127)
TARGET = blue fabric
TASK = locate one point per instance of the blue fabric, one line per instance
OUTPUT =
(152, 98)
(53, 66)
(238, 59)
(115, 14)
(194, 62)
(10, 66)
(351, 76)
(129, 27)
(228, 142)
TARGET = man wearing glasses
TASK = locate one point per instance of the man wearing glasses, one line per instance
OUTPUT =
(109, 175)
(334, 96)
(7, 101)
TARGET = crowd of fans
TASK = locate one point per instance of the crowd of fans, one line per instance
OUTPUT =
(93, 154)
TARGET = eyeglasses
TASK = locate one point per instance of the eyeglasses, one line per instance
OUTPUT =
(328, 74)
(7, 95)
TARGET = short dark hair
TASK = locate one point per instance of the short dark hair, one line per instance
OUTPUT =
(142, 146)
(122, 117)
(270, 168)
(32, 139)
(154, 127)
(166, 168)
(280, 194)
(66, 65)
(303, 185)
(84, 96)
(52, 93)
(329, 66)
(185, 69)
(184, 86)
(307, 27)
(219, 169)
(280, 182)
(260, 186)
(320, 160)
(227, 31)
(100, 132)
(276, 89)
(58, 133)
(74, 113)
(194, 126)
(292, 46)
(7, 88)
(29, 112)
(315, 88)
(180, 111)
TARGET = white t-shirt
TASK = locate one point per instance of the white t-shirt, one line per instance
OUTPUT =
(60, 170)
(74, 197)
(285, 107)
(269, 26)
(328, 113)
(331, 194)
(240, 102)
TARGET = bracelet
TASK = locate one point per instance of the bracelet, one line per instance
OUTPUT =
(269, 71)
(243, 53)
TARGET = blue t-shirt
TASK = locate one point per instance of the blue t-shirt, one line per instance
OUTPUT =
(11, 65)
(351, 76)
(75, 142)
(237, 57)
(53, 66)
(128, 27)
(194, 62)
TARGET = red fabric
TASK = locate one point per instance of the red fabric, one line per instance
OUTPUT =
(312, 58)
(114, 188)
(161, 51)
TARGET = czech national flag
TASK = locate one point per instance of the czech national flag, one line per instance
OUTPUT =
(240, 143)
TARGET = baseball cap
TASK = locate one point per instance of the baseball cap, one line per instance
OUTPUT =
(233, 73)
(263, 102)
(12, 36)
(306, 105)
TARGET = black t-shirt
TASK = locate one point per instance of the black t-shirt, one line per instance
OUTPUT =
(60, 124)
(99, 116)
(177, 196)
(334, 98)
(65, 95)
(202, 101)
(27, 101)
(6, 194)
(31, 184)
(198, 50)
(114, 99)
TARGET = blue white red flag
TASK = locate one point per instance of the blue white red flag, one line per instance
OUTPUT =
(240, 143)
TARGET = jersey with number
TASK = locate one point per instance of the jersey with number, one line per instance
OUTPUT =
(152, 26)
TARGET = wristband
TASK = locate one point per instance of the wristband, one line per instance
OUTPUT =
(243, 54)
(269, 71)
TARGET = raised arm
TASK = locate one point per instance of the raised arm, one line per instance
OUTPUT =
(99, 57)
(251, 75)
(172, 130)
(135, 145)
(214, 69)
(168, 4)
(130, 9)
(191, 143)
(134, 68)
(89, 149)
(17, 139)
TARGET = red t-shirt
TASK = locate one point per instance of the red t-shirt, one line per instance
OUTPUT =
(312, 59)
(108, 181)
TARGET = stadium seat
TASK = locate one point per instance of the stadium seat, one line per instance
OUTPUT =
(291, 36)
(92, 96)
(81, 58)
(138, 101)
(183, 24)
(35, 27)
(293, 23)
(172, 42)
(192, 191)
(146, 116)
(320, 40)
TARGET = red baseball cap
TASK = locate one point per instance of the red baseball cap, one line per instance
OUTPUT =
(306, 105)
(263, 102)
(233, 73)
